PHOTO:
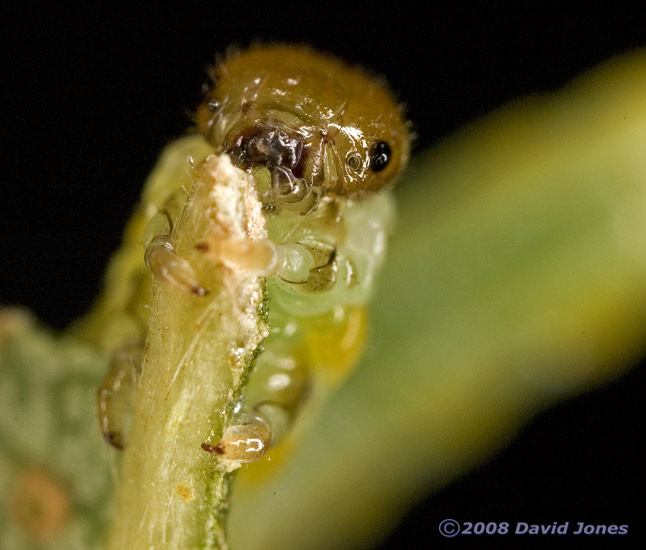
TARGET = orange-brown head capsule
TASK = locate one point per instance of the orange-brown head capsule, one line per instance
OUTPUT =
(316, 123)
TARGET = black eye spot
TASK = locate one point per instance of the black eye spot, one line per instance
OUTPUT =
(380, 156)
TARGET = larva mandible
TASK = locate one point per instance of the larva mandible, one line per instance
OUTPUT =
(324, 142)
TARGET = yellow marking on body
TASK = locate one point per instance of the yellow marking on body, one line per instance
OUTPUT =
(334, 346)
(271, 463)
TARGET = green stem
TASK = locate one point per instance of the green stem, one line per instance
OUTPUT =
(172, 494)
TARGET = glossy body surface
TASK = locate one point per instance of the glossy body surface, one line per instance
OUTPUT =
(292, 108)
(323, 142)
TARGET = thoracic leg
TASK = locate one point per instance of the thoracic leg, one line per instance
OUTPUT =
(278, 386)
(160, 255)
(115, 397)
(167, 266)
(290, 261)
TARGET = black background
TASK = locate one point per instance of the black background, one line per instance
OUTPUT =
(90, 97)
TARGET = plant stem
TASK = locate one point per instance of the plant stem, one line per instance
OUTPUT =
(172, 494)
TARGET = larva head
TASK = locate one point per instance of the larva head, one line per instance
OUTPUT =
(319, 125)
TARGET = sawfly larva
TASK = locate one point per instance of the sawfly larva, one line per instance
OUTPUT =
(324, 142)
